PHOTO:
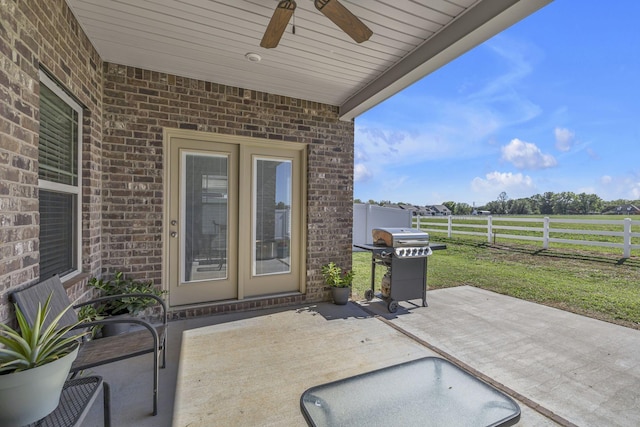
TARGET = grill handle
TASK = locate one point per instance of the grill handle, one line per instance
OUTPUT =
(402, 242)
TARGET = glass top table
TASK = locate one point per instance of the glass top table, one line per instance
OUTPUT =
(425, 392)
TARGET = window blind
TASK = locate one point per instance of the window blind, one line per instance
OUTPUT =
(58, 139)
(57, 233)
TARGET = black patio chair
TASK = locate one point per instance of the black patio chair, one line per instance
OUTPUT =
(145, 339)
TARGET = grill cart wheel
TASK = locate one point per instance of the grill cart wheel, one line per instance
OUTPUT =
(368, 294)
(393, 306)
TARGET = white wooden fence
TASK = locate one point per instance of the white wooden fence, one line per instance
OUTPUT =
(624, 238)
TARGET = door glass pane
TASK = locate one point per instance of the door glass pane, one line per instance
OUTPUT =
(205, 190)
(272, 216)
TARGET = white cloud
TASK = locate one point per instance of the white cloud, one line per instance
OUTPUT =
(612, 187)
(525, 155)
(565, 139)
(496, 182)
(361, 173)
(459, 131)
(632, 183)
(518, 58)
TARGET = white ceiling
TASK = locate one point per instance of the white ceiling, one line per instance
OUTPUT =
(208, 40)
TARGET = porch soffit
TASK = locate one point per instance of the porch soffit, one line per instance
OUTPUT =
(208, 40)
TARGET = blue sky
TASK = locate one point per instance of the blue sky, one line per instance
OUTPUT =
(550, 104)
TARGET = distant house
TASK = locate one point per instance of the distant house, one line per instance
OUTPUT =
(423, 210)
(428, 210)
(440, 210)
(624, 210)
(415, 210)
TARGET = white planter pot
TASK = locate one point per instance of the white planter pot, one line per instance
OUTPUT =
(30, 395)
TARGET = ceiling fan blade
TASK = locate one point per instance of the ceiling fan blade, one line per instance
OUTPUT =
(278, 24)
(343, 18)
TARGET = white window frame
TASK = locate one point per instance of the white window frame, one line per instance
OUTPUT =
(64, 188)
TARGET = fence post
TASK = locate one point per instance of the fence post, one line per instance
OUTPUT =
(626, 239)
(545, 233)
(418, 221)
(450, 226)
(489, 228)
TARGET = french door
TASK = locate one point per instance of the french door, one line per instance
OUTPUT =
(234, 218)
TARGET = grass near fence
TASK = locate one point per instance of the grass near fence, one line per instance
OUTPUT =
(585, 280)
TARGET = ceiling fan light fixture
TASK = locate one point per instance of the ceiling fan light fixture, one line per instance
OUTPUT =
(252, 57)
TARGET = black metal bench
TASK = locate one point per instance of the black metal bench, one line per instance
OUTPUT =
(146, 339)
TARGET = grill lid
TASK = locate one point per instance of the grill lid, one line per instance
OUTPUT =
(399, 237)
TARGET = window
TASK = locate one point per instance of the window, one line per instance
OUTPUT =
(272, 194)
(59, 181)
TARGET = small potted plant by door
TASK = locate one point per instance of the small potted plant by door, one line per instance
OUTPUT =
(340, 282)
(34, 364)
(126, 306)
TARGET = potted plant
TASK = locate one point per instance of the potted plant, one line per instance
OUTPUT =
(126, 306)
(340, 282)
(88, 313)
(34, 364)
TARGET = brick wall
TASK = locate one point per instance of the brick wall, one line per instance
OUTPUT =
(34, 32)
(138, 104)
(125, 110)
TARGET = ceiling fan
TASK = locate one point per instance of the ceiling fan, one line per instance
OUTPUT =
(332, 9)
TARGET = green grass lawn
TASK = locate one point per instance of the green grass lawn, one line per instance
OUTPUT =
(592, 283)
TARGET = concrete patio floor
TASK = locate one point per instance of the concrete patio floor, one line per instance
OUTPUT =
(249, 369)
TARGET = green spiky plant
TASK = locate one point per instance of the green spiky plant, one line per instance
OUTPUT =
(36, 345)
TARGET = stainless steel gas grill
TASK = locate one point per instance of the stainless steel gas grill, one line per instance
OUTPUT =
(403, 253)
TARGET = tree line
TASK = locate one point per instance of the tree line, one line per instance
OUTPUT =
(549, 203)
